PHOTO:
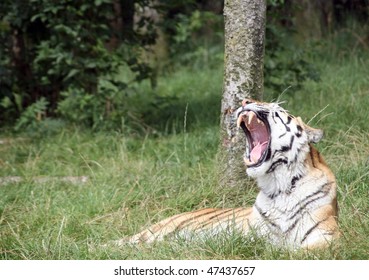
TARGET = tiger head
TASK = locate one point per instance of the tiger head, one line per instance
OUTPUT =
(274, 138)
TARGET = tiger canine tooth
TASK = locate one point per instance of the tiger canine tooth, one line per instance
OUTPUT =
(239, 120)
(261, 122)
(247, 161)
(251, 115)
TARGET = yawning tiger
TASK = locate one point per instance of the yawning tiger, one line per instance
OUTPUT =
(296, 206)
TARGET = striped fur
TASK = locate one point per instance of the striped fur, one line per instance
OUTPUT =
(296, 206)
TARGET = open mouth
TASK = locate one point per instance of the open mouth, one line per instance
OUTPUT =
(257, 133)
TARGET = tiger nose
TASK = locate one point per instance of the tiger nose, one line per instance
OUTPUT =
(246, 101)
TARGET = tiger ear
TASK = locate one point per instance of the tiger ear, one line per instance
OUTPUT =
(314, 134)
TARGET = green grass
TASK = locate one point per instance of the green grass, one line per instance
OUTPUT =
(136, 180)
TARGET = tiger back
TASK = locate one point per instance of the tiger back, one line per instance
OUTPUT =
(296, 205)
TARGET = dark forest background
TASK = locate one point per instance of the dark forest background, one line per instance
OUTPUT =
(82, 62)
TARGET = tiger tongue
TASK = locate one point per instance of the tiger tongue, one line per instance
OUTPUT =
(257, 151)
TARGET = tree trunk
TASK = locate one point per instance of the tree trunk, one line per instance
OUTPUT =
(23, 69)
(243, 77)
(127, 13)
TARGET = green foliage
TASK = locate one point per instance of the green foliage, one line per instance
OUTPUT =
(196, 38)
(32, 115)
(35, 123)
(53, 47)
(92, 60)
(275, 3)
(286, 64)
(102, 110)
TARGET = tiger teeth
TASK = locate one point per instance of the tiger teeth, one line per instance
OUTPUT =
(247, 161)
(251, 116)
(239, 120)
(248, 117)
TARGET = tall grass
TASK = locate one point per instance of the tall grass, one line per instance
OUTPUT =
(135, 180)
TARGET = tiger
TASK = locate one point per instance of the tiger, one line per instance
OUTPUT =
(296, 206)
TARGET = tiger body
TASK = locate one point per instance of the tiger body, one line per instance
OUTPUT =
(296, 206)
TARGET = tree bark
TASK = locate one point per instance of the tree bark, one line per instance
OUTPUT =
(243, 77)
(127, 13)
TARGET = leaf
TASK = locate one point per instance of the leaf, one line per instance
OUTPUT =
(71, 74)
